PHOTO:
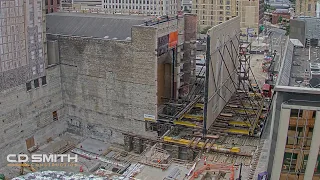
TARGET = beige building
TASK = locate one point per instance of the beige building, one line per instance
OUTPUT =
(306, 7)
(213, 12)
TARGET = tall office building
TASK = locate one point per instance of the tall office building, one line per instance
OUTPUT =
(22, 52)
(213, 12)
(306, 7)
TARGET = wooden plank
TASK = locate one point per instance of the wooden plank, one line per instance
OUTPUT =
(30, 142)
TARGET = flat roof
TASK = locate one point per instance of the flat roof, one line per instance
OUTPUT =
(299, 66)
(109, 26)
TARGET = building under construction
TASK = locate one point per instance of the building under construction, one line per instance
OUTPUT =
(134, 84)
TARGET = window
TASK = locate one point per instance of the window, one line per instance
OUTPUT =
(28, 86)
(55, 116)
(220, 12)
(296, 113)
(43, 80)
(36, 83)
(227, 19)
(51, 2)
(228, 2)
(309, 7)
(221, 7)
(228, 7)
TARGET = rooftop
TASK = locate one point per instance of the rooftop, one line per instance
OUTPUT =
(300, 69)
(93, 25)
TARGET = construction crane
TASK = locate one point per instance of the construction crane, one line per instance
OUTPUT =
(220, 167)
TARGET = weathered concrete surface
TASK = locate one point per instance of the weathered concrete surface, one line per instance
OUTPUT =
(25, 114)
(108, 85)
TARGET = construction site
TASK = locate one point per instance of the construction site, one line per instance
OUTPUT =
(210, 128)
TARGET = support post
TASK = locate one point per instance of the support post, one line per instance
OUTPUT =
(173, 73)
(206, 85)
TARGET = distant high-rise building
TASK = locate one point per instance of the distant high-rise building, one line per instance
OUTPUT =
(149, 7)
(52, 6)
(213, 12)
(306, 7)
(144, 7)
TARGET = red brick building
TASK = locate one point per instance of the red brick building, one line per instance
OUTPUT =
(284, 13)
(52, 6)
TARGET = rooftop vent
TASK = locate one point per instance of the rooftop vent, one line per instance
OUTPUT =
(128, 39)
(106, 37)
(114, 38)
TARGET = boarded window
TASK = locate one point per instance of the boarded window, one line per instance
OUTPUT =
(28, 84)
(36, 83)
(55, 115)
(43, 80)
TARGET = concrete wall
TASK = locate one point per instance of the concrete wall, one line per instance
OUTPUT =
(108, 85)
(29, 114)
(222, 66)
(297, 30)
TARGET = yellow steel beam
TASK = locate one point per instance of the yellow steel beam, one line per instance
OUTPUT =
(255, 123)
(238, 131)
(195, 117)
(199, 105)
(200, 144)
(185, 123)
(239, 123)
(255, 94)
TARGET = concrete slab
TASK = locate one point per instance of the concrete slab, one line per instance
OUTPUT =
(93, 146)
(157, 174)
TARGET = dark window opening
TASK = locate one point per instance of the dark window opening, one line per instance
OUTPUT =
(296, 113)
(36, 83)
(43, 80)
(51, 2)
(28, 86)
(55, 115)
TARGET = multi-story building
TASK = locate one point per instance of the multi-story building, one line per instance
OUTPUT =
(306, 7)
(22, 68)
(148, 7)
(296, 116)
(213, 12)
(104, 74)
(52, 6)
(305, 29)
